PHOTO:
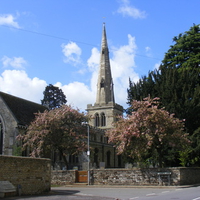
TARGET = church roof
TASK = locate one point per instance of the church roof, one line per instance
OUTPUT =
(23, 110)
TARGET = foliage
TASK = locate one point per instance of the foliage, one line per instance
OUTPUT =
(184, 156)
(59, 130)
(176, 83)
(144, 87)
(53, 97)
(149, 133)
(17, 150)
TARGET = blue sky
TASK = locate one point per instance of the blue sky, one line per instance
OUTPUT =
(58, 42)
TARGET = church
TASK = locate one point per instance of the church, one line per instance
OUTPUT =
(102, 115)
(105, 109)
(16, 114)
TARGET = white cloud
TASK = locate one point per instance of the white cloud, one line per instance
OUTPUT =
(93, 61)
(127, 10)
(123, 64)
(17, 83)
(9, 20)
(93, 65)
(15, 62)
(122, 59)
(77, 94)
(72, 52)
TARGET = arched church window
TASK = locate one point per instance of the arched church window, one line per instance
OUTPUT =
(1, 137)
(103, 119)
(96, 120)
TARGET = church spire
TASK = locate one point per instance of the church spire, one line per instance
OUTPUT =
(105, 92)
(105, 110)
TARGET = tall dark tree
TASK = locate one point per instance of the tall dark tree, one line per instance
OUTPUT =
(180, 78)
(144, 87)
(177, 81)
(53, 97)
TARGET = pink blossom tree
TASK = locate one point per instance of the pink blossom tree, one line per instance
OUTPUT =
(59, 130)
(149, 133)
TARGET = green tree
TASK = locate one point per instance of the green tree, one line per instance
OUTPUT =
(180, 78)
(59, 130)
(149, 133)
(144, 87)
(177, 81)
(53, 97)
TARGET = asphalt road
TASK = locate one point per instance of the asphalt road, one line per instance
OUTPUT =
(118, 193)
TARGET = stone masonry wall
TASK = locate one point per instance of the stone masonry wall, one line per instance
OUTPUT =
(189, 175)
(135, 176)
(63, 177)
(9, 128)
(32, 174)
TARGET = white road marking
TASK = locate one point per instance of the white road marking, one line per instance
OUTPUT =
(82, 194)
(165, 191)
(178, 189)
(196, 198)
(151, 194)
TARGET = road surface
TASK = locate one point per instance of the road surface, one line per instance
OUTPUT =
(118, 193)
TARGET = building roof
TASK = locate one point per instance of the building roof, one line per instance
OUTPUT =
(23, 110)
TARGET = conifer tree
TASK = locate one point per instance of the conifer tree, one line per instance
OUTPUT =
(177, 81)
(53, 97)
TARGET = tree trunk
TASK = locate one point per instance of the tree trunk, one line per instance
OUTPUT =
(160, 163)
(64, 158)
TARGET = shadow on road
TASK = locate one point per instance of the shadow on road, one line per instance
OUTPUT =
(56, 192)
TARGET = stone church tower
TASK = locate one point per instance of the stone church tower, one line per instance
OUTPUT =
(105, 110)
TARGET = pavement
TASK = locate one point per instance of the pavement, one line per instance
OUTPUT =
(122, 186)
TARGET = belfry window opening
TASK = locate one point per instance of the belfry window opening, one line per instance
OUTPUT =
(96, 120)
(100, 120)
(103, 119)
(102, 83)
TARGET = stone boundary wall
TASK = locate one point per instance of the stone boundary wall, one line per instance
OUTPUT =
(63, 177)
(31, 175)
(136, 176)
(189, 176)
